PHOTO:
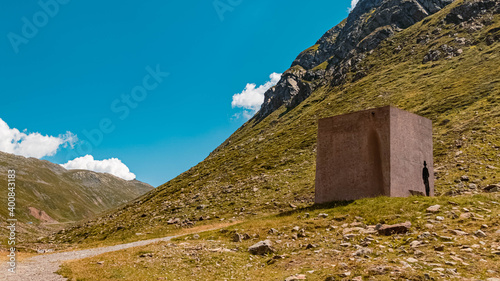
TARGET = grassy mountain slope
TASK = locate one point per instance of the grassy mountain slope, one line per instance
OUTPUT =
(339, 246)
(47, 194)
(268, 166)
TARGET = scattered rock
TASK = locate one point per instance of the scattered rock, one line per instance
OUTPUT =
(433, 209)
(296, 277)
(429, 226)
(432, 55)
(322, 215)
(464, 178)
(196, 236)
(394, 229)
(439, 269)
(492, 188)
(363, 252)
(352, 229)
(174, 221)
(273, 231)
(237, 237)
(459, 232)
(378, 270)
(467, 215)
(446, 238)
(346, 274)
(480, 234)
(311, 246)
(415, 244)
(262, 248)
(411, 260)
(424, 235)
(146, 255)
(439, 248)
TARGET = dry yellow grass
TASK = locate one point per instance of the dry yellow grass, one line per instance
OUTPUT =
(322, 253)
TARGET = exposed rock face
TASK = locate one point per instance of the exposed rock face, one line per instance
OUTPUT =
(344, 46)
(41, 215)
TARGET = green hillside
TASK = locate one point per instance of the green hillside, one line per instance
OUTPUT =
(268, 166)
(49, 196)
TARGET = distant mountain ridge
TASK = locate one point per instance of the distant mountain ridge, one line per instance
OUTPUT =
(48, 193)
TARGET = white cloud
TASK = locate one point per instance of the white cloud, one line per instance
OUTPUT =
(112, 166)
(32, 144)
(353, 4)
(252, 96)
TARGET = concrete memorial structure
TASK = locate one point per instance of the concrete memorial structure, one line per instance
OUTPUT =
(382, 151)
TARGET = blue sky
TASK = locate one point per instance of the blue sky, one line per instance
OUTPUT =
(65, 66)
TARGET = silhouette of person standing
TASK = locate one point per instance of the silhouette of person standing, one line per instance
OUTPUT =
(425, 177)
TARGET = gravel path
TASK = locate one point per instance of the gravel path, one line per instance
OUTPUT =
(42, 268)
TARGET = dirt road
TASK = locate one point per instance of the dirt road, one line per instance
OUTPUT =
(42, 268)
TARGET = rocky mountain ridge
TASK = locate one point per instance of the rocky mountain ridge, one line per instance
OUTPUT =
(343, 47)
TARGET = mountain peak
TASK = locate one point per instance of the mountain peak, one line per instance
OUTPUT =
(343, 47)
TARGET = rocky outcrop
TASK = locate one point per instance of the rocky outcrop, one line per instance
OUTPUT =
(41, 215)
(471, 10)
(341, 48)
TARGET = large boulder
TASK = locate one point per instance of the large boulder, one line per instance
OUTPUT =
(394, 229)
(262, 248)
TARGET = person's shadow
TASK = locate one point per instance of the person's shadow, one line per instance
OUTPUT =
(425, 177)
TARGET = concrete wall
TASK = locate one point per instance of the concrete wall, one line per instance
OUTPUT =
(353, 157)
(411, 145)
(371, 153)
